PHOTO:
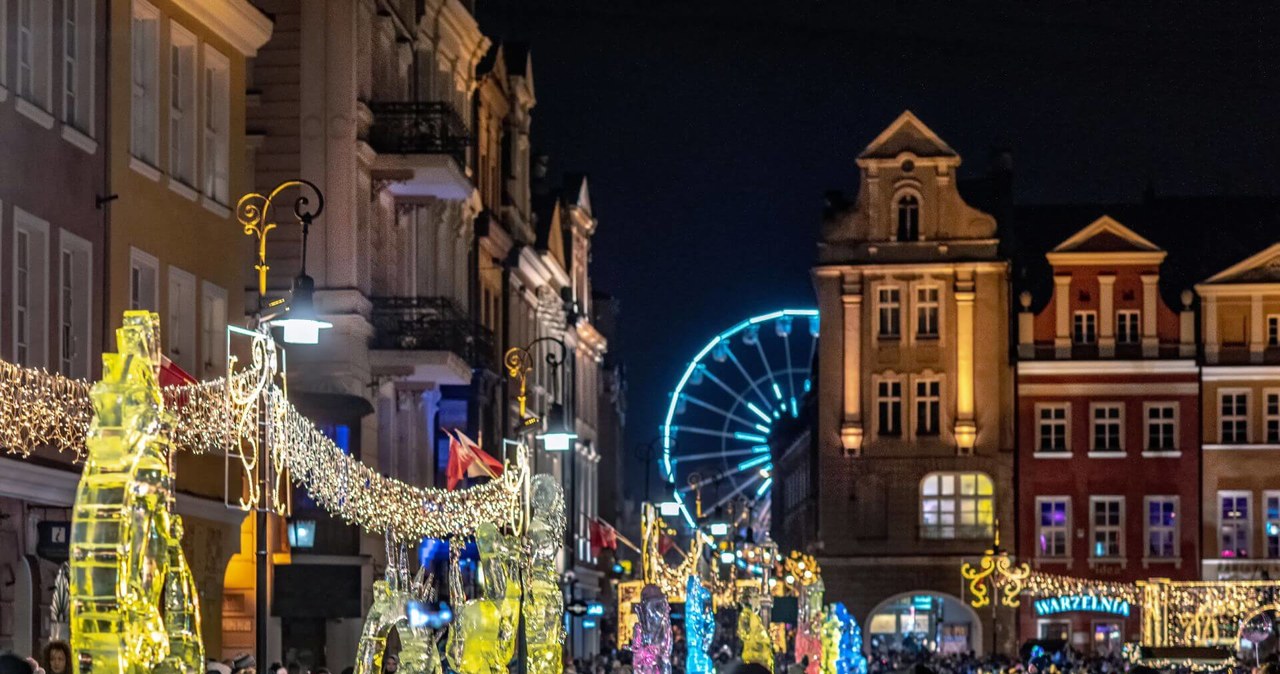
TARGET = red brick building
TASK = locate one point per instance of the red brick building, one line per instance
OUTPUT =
(1108, 431)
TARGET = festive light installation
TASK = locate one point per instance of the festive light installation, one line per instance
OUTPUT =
(126, 554)
(42, 409)
(482, 640)
(699, 627)
(669, 579)
(651, 643)
(544, 602)
(391, 598)
(810, 623)
(997, 566)
(1040, 584)
(842, 643)
(757, 647)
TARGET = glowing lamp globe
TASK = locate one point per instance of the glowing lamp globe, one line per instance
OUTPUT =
(559, 436)
(300, 323)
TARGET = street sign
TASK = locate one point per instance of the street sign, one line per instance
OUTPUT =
(53, 541)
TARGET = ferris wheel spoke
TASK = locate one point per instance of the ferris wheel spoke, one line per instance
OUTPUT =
(736, 435)
(736, 490)
(739, 398)
(777, 390)
(791, 379)
(748, 378)
(755, 465)
(726, 413)
(758, 449)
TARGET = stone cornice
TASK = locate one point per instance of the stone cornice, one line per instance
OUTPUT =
(236, 21)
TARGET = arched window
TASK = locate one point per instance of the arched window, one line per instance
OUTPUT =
(957, 505)
(908, 208)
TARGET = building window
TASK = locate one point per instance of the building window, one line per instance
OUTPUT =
(927, 312)
(1162, 427)
(889, 308)
(1271, 531)
(75, 313)
(889, 407)
(1084, 328)
(1053, 534)
(1233, 524)
(1233, 417)
(217, 101)
(1052, 426)
(1108, 428)
(78, 37)
(956, 505)
(144, 270)
(144, 67)
(1128, 327)
(30, 289)
(1273, 330)
(182, 108)
(1162, 527)
(927, 406)
(1271, 416)
(1107, 527)
(181, 337)
(35, 33)
(908, 208)
(1055, 629)
(213, 329)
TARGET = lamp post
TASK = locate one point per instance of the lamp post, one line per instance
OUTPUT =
(1006, 578)
(295, 313)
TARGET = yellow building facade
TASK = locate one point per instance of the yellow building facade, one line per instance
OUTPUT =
(1240, 422)
(176, 142)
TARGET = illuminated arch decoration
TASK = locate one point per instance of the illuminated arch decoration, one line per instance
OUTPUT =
(126, 543)
(716, 430)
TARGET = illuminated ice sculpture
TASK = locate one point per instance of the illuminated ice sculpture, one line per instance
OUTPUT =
(809, 626)
(699, 627)
(126, 555)
(757, 646)
(544, 606)
(651, 640)
(483, 637)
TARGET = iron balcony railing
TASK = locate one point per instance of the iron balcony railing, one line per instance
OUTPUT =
(430, 324)
(419, 127)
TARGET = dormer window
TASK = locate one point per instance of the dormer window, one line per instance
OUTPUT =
(908, 207)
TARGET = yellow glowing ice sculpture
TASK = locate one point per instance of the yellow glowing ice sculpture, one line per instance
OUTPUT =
(420, 650)
(392, 597)
(482, 640)
(757, 647)
(126, 557)
(544, 609)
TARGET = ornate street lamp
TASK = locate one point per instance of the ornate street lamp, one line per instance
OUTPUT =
(559, 435)
(1006, 577)
(296, 314)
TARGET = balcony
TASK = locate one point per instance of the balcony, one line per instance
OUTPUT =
(428, 339)
(421, 149)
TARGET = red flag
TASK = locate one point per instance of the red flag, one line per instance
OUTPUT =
(466, 459)
(172, 376)
(603, 536)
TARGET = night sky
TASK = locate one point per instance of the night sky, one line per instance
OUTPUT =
(711, 128)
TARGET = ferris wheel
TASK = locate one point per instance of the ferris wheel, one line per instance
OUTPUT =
(715, 437)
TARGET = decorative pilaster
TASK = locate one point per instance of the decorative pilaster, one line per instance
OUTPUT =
(1211, 343)
(1026, 327)
(1187, 327)
(851, 430)
(1257, 329)
(1106, 315)
(966, 428)
(1062, 316)
(1150, 338)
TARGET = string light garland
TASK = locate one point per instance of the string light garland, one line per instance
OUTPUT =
(1040, 584)
(41, 409)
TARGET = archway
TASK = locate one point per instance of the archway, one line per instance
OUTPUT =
(924, 620)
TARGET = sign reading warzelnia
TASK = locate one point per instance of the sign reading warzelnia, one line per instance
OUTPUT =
(1082, 602)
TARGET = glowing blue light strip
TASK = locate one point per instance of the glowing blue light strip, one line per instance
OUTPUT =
(795, 410)
(758, 449)
(763, 487)
(762, 428)
(777, 390)
(738, 435)
(751, 463)
(807, 385)
(752, 406)
(667, 429)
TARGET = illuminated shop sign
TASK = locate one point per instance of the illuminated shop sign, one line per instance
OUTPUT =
(1082, 602)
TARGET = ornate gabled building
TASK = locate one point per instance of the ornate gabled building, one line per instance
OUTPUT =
(914, 440)
(1107, 408)
(1240, 389)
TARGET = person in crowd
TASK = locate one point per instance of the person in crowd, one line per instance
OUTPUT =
(14, 664)
(390, 664)
(57, 657)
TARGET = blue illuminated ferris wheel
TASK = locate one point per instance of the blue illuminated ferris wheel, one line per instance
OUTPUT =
(715, 437)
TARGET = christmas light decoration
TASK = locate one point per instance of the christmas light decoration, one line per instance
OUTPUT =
(126, 554)
(810, 625)
(1005, 576)
(544, 602)
(1040, 584)
(699, 627)
(670, 580)
(48, 410)
(757, 647)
